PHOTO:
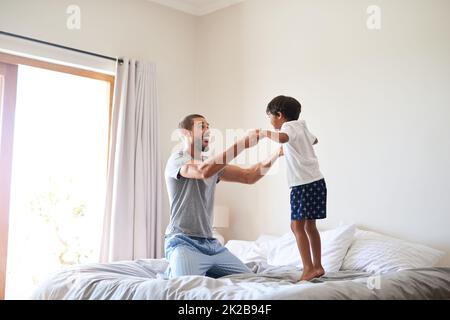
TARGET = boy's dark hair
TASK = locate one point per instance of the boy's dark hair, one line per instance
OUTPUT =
(289, 107)
(188, 122)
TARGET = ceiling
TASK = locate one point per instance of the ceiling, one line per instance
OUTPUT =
(197, 7)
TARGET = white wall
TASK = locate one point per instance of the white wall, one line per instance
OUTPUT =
(133, 28)
(379, 101)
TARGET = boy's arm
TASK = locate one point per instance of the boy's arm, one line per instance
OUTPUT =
(276, 136)
(250, 175)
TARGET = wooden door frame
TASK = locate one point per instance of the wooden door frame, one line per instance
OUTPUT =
(15, 60)
(6, 142)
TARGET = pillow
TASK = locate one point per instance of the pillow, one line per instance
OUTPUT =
(248, 251)
(335, 244)
(241, 249)
(374, 252)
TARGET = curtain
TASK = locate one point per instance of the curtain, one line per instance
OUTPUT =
(133, 211)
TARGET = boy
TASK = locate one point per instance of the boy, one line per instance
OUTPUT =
(308, 188)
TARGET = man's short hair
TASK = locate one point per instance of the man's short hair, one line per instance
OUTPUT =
(188, 121)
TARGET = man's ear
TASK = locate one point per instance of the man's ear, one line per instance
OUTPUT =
(184, 132)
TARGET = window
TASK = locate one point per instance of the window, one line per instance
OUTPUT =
(58, 172)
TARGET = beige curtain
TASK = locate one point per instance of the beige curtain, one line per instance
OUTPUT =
(132, 222)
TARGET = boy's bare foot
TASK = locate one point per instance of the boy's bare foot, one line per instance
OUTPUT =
(319, 272)
(312, 274)
(308, 275)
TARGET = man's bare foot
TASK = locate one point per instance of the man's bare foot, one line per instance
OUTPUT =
(308, 275)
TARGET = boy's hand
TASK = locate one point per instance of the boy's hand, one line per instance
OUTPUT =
(259, 133)
(280, 152)
(262, 133)
(251, 139)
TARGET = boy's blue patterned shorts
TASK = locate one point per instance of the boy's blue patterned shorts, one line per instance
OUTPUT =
(309, 201)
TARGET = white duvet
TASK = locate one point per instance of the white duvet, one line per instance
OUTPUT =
(402, 271)
(143, 279)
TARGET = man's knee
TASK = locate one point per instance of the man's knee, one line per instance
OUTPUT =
(184, 262)
(226, 263)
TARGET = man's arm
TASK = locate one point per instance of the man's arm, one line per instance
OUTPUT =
(206, 169)
(250, 175)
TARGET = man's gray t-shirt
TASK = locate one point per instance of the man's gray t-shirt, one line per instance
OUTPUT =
(191, 200)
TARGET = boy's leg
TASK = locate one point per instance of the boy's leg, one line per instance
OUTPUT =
(298, 228)
(316, 247)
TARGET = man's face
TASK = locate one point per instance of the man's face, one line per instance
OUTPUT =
(200, 134)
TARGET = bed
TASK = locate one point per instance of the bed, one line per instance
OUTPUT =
(371, 266)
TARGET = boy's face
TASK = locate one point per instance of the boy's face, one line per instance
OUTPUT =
(276, 120)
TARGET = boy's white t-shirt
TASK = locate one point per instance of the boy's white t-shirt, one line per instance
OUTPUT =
(301, 160)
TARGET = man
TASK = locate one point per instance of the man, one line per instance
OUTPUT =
(191, 181)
